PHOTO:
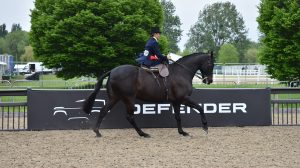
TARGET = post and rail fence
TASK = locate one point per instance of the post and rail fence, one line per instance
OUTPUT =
(285, 106)
(13, 110)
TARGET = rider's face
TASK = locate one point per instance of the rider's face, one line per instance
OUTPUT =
(157, 35)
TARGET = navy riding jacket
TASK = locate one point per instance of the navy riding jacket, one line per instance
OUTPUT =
(151, 49)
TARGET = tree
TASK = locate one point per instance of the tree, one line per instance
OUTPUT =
(279, 24)
(16, 27)
(88, 37)
(251, 55)
(3, 31)
(218, 24)
(2, 45)
(228, 54)
(28, 55)
(15, 42)
(185, 52)
(171, 25)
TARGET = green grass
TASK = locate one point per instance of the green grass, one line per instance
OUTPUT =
(13, 98)
(286, 96)
(48, 81)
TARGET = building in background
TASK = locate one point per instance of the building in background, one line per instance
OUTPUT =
(6, 64)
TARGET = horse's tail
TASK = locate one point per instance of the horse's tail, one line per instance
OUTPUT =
(89, 102)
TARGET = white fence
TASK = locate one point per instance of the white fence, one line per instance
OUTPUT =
(235, 74)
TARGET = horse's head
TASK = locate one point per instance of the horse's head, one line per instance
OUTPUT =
(206, 69)
(194, 62)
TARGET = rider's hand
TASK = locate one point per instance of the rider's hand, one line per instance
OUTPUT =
(166, 60)
(169, 56)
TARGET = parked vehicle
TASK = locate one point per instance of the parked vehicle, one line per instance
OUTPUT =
(32, 67)
(19, 68)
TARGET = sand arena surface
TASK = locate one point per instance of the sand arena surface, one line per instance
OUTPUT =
(223, 147)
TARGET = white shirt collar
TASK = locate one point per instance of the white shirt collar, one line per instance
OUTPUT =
(155, 38)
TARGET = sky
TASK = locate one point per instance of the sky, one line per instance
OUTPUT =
(18, 11)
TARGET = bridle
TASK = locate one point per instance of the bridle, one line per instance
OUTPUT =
(186, 68)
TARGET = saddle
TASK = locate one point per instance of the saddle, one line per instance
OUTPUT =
(161, 68)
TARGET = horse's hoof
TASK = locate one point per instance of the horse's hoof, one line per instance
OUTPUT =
(98, 135)
(185, 134)
(205, 129)
(145, 135)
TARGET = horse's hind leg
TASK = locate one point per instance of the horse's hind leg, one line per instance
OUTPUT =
(176, 107)
(192, 104)
(104, 110)
(130, 117)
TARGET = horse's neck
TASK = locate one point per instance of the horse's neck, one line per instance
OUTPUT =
(189, 66)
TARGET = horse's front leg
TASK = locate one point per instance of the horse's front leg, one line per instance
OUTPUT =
(176, 107)
(192, 104)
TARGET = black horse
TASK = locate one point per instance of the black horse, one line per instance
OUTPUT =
(128, 82)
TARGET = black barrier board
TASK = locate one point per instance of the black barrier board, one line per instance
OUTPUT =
(61, 109)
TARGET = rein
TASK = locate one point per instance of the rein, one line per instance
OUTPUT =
(186, 68)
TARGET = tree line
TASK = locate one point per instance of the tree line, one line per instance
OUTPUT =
(87, 38)
(16, 43)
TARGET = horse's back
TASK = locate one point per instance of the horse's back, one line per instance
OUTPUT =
(123, 79)
(124, 73)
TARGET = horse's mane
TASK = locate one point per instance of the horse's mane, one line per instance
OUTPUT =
(190, 55)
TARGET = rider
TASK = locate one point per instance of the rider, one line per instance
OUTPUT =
(152, 56)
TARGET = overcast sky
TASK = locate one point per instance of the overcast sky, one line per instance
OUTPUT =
(18, 11)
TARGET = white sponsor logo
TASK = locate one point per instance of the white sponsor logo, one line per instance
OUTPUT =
(72, 112)
(146, 53)
(221, 108)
